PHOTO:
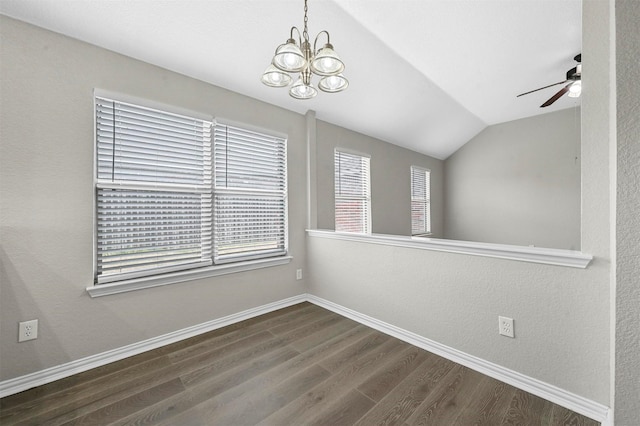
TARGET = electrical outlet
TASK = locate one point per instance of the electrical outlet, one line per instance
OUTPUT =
(505, 326)
(27, 330)
(298, 274)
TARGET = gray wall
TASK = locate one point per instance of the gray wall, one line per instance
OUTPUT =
(517, 183)
(46, 216)
(626, 308)
(390, 180)
(456, 299)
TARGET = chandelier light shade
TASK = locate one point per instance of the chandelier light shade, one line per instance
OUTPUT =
(300, 90)
(289, 57)
(273, 77)
(326, 62)
(296, 57)
(333, 83)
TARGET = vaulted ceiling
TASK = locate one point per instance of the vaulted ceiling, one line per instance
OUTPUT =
(424, 74)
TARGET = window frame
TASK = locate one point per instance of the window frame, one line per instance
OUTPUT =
(367, 226)
(425, 200)
(166, 277)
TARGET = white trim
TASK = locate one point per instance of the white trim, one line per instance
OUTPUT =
(19, 384)
(188, 275)
(581, 405)
(549, 256)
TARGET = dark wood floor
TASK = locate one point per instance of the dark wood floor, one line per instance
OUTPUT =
(299, 365)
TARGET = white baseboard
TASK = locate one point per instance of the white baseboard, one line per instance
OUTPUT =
(19, 384)
(549, 392)
(584, 406)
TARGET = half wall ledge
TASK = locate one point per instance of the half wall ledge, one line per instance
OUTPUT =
(548, 256)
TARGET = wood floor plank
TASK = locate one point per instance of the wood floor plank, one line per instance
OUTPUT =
(447, 399)
(564, 417)
(130, 405)
(528, 409)
(249, 409)
(210, 366)
(337, 361)
(321, 336)
(303, 330)
(194, 377)
(191, 417)
(312, 317)
(270, 379)
(209, 389)
(364, 358)
(118, 387)
(130, 380)
(345, 411)
(401, 402)
(489, 405)
(380, 384)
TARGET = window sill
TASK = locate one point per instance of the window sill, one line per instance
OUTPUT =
(549, 256)
(177, 277)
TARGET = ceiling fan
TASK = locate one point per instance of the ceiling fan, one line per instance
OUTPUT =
(574, 87)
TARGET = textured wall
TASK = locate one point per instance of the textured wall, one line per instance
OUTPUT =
(46, 216)
(517, 183)
(627, 292)
(390, 183)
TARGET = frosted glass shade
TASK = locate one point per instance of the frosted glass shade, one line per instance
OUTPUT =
(273, 77)
(333, 83)
(327, 62)
(289, 57)
(302, 91)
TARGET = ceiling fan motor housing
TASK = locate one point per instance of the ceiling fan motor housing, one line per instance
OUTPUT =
(574, 73)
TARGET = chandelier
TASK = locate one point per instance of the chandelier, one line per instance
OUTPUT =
(296, 57)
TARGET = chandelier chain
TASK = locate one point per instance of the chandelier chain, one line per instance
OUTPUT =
(305, 32)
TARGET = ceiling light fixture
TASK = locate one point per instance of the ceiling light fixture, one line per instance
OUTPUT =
(575, 89)
(296, 57)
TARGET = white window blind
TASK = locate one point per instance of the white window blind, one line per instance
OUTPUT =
(352, 193)
(420, 200)
(153, 191)
(250, 194)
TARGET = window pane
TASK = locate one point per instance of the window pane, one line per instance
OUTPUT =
(140, 144)
(249, 225)
(251, 194)
(420, 203)
(148, 230)
(352, 192)
(153, 196)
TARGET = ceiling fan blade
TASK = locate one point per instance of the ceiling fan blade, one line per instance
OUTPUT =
(545, 87)
(557, 96)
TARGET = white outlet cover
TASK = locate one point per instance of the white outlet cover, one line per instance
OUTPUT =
(27, 330)
(505, 326)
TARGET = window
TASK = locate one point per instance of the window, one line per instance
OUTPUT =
(420, 201)
(250, 193)
(353, 194)
(159, 207)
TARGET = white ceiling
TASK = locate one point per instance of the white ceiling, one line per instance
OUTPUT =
(424, 74)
